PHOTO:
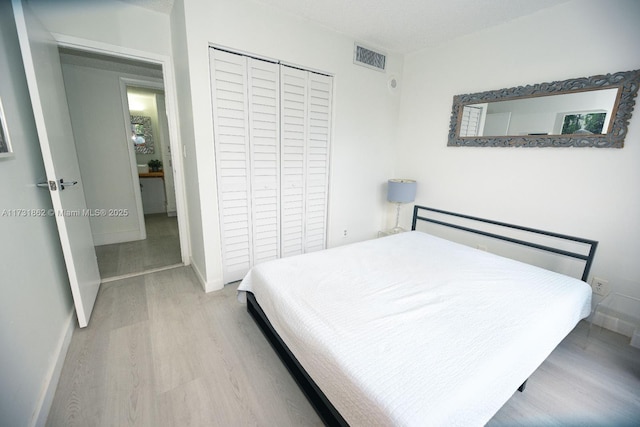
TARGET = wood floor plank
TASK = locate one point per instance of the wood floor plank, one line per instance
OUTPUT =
(175, 324)
(122, 303)
(81, 390)
(249, 358)
(160, 352)
(129, 379)
(77, 401)
(197, 403)
(594, 383)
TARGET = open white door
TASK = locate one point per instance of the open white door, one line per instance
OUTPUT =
(44, 78)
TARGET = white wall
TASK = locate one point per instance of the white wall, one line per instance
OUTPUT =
(365, 111)
(163, 127)
(108, 21)
(589, 192)
(102, 145)
(185, 110)
(35, 300)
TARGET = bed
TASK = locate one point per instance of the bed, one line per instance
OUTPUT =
(413, 329)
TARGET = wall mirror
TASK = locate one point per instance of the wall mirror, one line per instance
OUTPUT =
(141, 134)
(583, 112)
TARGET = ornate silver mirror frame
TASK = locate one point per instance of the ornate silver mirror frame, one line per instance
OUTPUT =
(626, 84)
(141, 134)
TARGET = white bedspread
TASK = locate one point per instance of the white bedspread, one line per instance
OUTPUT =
(414, 330)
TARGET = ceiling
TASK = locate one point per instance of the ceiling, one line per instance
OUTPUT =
(400, 26)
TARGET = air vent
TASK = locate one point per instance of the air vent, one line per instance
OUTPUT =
(369, 58)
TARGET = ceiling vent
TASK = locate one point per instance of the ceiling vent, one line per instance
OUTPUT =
(369, 58)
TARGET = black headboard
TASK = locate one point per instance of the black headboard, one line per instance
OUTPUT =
(592, 244)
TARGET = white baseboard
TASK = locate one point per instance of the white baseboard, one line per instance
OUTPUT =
(199, 275)
(212, 286)
(207, 286)
(615, 324)
(50, 383)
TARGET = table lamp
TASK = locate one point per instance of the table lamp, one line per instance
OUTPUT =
(400, 191)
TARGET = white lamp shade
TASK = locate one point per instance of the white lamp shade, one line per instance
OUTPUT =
(401, 190)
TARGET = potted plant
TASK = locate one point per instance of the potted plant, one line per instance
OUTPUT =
(155, 165)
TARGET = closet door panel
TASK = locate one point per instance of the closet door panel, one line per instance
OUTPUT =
(293, 97)
(264, 131)
(231, 134)
(317, 164)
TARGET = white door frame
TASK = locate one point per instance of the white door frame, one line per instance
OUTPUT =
(172, 115)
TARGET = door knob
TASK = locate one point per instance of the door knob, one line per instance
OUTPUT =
(53, 186)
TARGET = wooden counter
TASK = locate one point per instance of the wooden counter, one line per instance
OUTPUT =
(159, 174)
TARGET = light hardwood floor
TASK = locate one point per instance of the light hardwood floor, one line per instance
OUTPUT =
(161, 352)
(161, 248)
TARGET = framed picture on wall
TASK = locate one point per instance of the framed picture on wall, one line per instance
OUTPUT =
(5, 142)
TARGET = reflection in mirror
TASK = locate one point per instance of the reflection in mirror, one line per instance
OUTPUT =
(581, 112)
(574, 113)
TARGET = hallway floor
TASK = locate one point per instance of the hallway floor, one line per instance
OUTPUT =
(161, 248)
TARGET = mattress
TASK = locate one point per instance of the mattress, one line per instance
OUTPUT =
(414, 330)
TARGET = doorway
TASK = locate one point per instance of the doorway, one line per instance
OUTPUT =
(134, 215)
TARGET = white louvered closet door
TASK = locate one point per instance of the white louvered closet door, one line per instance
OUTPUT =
(317, 167)
(293, 143)
(305, 139)
(264, 132)
(231, 134)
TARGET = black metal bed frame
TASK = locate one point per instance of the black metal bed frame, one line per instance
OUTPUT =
(587, 258)
(324, 408)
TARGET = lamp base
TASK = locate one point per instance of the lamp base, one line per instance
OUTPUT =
(396, 230)
(391, 232)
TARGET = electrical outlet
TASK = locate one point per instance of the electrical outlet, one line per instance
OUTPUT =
(600, 286)
(344, 233)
